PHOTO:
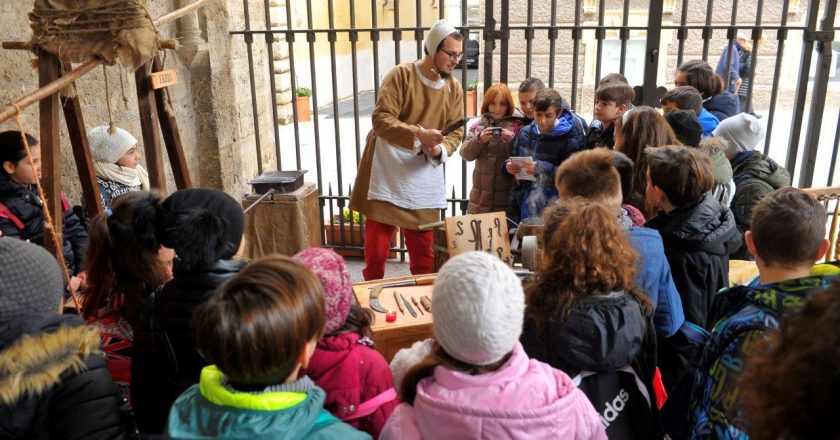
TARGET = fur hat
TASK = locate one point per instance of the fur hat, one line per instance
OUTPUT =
(686, 126)
(478, 308)
(743, 130)
(437, 33)
(201, 225)
(107, 147)
(32, 281)
(338, 287)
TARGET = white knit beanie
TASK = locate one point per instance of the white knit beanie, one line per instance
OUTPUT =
(109, 148)
(437, 33)
(742, 130)
(478, 306)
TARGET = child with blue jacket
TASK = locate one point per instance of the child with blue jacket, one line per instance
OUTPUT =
(554, 135)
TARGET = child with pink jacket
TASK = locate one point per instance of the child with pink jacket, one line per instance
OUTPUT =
(477, 382)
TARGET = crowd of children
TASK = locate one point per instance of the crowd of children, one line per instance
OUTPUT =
(628, 329)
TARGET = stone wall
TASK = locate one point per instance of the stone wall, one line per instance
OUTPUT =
(212, 100)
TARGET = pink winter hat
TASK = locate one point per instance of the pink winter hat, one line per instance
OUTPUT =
(338, 288)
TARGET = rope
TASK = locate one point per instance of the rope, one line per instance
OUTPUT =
(112, 128)
(122, 89)
(49, 226)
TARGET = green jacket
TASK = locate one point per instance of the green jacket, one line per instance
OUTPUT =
(755, 176)
(209, 410)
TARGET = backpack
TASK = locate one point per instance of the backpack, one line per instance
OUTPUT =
(623, 401)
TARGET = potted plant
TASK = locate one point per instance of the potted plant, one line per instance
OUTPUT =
(349, 233)
(472, 98)
(302, 104)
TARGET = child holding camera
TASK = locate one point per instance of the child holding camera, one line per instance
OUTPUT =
(489, 143)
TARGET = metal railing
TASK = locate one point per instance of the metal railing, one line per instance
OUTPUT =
(497, 33)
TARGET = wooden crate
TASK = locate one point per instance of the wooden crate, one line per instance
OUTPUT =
(390, 337)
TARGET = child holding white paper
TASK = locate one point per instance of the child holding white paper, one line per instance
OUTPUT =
(538, 149)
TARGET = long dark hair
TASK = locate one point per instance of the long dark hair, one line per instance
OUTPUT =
(439, 357)
(586, 253)
(122, 264)
(358, 321)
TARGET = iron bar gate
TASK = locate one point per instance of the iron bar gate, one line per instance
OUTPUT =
(341, 50)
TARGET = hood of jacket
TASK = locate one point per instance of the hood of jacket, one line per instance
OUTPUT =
(723, 105)
(525, 398)
(777, 298)
(721, 168)
(35, 350)
(332, 352)
(287, 415)
(562, 126)
(704, 226)
(602, 333)
(758, 166)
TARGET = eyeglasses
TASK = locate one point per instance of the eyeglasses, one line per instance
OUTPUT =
(453, 56)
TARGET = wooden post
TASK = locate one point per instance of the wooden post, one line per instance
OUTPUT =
(171, 134)
(81, 152)
(149, 127)
(49, 70)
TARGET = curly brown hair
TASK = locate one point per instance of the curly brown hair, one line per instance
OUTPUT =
(586, 252)
(792, 390)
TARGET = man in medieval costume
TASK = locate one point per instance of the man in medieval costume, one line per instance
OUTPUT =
(400, 182)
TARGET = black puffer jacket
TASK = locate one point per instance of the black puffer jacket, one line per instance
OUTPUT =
(23, 202)
(82, 402)
(755, 176)
(698, 239)
(603, 333)
(159, 375)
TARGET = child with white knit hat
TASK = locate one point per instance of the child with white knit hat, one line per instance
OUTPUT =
(477, 381)
(116, 160)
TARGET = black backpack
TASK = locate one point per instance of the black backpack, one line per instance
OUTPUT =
(626, 406)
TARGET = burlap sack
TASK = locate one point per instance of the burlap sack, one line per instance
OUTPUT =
(118, 31)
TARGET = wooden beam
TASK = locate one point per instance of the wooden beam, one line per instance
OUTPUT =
(178, 13)
(81, 152)
(149, 126)
(49, 70)
(48, 89)
(171, 134)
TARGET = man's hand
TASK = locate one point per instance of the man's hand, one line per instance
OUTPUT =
(513, 168)
(432, 150)
(429, 137)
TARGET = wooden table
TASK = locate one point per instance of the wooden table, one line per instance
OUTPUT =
(390, 337)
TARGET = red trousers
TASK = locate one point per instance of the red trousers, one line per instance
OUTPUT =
(378, 241)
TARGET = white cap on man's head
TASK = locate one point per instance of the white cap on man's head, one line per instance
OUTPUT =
(437, 33)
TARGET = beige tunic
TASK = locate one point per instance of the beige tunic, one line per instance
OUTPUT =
(404, 105)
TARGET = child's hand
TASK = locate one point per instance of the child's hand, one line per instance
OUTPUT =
(513, 168)
(507, 135)
(486, 135)
(74, 284)
(82, 276)
(530, 168)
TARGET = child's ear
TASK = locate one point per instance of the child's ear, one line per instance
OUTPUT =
(9, 167)
(823, 250)
(306, 353)
(748, 240)
(622, 108)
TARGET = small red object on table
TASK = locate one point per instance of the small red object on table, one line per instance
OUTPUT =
(391, 316)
